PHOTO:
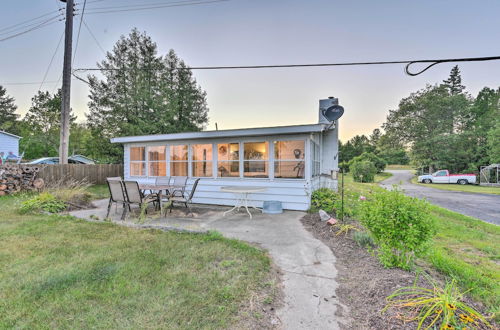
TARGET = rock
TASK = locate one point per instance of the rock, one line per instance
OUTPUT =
(324, 216)
(332, 221)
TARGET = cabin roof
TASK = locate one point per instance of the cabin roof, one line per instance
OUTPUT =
(9, 134)
(276, 130)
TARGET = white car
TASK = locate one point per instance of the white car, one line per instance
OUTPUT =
(443, 176)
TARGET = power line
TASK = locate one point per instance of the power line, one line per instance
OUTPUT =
(277, 66)
(51, 61)
(95, 39)
(26, 83)
(193, 3)
(39, 26)
(162, 3)
(79, 29)
(26, 26)
(29, 20)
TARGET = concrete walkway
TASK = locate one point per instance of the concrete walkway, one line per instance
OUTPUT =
(481, 206)
(307, 265)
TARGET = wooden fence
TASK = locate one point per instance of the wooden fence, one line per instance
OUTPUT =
(95, 174)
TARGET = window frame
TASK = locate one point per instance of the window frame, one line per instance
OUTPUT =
(300, 160)
(144, 162)
(170, 162)
(265, 161)
(192, 161)
(148, 161)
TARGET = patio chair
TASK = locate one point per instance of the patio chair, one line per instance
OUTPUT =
(179, 185)
(135, 196)
(177, 197)
(116, 193)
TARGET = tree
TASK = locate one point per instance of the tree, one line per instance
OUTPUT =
(40, 127)
(454, 82)
(494, 143)
(8, 116)
(141, 93)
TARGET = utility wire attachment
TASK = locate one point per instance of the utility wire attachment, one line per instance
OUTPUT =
(434, 62)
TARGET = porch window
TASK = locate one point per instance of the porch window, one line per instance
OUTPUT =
(255, 159)
(179, 160)
(201, 160)
(157, 161)
(315, 159)
(289, 159)
(137, 161)
(228, 163)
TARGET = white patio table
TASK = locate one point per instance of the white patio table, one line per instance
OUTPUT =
(242, 197)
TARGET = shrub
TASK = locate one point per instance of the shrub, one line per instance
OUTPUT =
(363, 239)
(42, 202)
(363, 171)
(379, 162)
(438, 307)
(323, 199)
(401, 226)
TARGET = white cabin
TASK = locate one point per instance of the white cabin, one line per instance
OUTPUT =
(290, 161)
(9, 143)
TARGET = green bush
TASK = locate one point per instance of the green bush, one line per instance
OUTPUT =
(42, 202)
(363, 171)
(323, 199)
(363, 239)
(401, 226)
(379, 162)
(331, 202)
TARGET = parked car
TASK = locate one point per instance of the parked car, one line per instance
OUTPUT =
(76, 159)
(443, 176)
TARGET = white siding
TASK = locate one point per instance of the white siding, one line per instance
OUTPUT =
(9, 143)
(295, 194)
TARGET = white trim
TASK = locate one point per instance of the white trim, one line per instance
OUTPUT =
(10, 134)
(262, 131)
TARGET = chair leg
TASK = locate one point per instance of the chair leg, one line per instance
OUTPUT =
(109, 207)
(125, 212)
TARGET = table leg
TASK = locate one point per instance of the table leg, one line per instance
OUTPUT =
(246, 205)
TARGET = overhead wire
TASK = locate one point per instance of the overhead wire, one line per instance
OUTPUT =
(161, 3)
(192, 3)
(39, 26)
(51, 61)
(94, 37)
(79, 30)
(408, 63)
(29, 20)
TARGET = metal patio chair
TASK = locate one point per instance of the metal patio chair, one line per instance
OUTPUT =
(178, 197)
(116, 193)
(179, 185)
(135, 196)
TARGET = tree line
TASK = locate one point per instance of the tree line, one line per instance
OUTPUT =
(440, 126)
(138, 92)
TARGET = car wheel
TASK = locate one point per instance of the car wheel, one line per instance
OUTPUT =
(427, 181)
(462, 181)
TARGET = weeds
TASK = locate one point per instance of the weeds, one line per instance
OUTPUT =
(443, 307)
(344, 228)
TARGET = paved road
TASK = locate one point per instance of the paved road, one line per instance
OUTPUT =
(482, 206)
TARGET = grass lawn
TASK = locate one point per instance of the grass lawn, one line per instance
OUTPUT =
(458, 187)
(58, 272)
(464, 248)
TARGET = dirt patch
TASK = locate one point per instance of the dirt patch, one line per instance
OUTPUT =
(259, 312)
(363, 282)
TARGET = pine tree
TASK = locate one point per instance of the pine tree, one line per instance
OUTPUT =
(141, 93)
(8, 116)
(454, 82)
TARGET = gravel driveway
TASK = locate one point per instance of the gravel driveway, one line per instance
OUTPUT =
(482, 206)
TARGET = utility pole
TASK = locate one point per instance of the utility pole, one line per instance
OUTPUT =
(66, 85)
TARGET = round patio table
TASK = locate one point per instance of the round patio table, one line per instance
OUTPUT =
(242, 197)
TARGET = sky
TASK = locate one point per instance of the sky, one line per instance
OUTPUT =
(255, 32)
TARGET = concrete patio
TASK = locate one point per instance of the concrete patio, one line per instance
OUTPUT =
(307, 265)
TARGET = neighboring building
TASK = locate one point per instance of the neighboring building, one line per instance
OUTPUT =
(9, 143)
(290, 161)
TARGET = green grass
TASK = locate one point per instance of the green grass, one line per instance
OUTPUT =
(464, 248)
(59, 272)
(458, 187)
(99, 191)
